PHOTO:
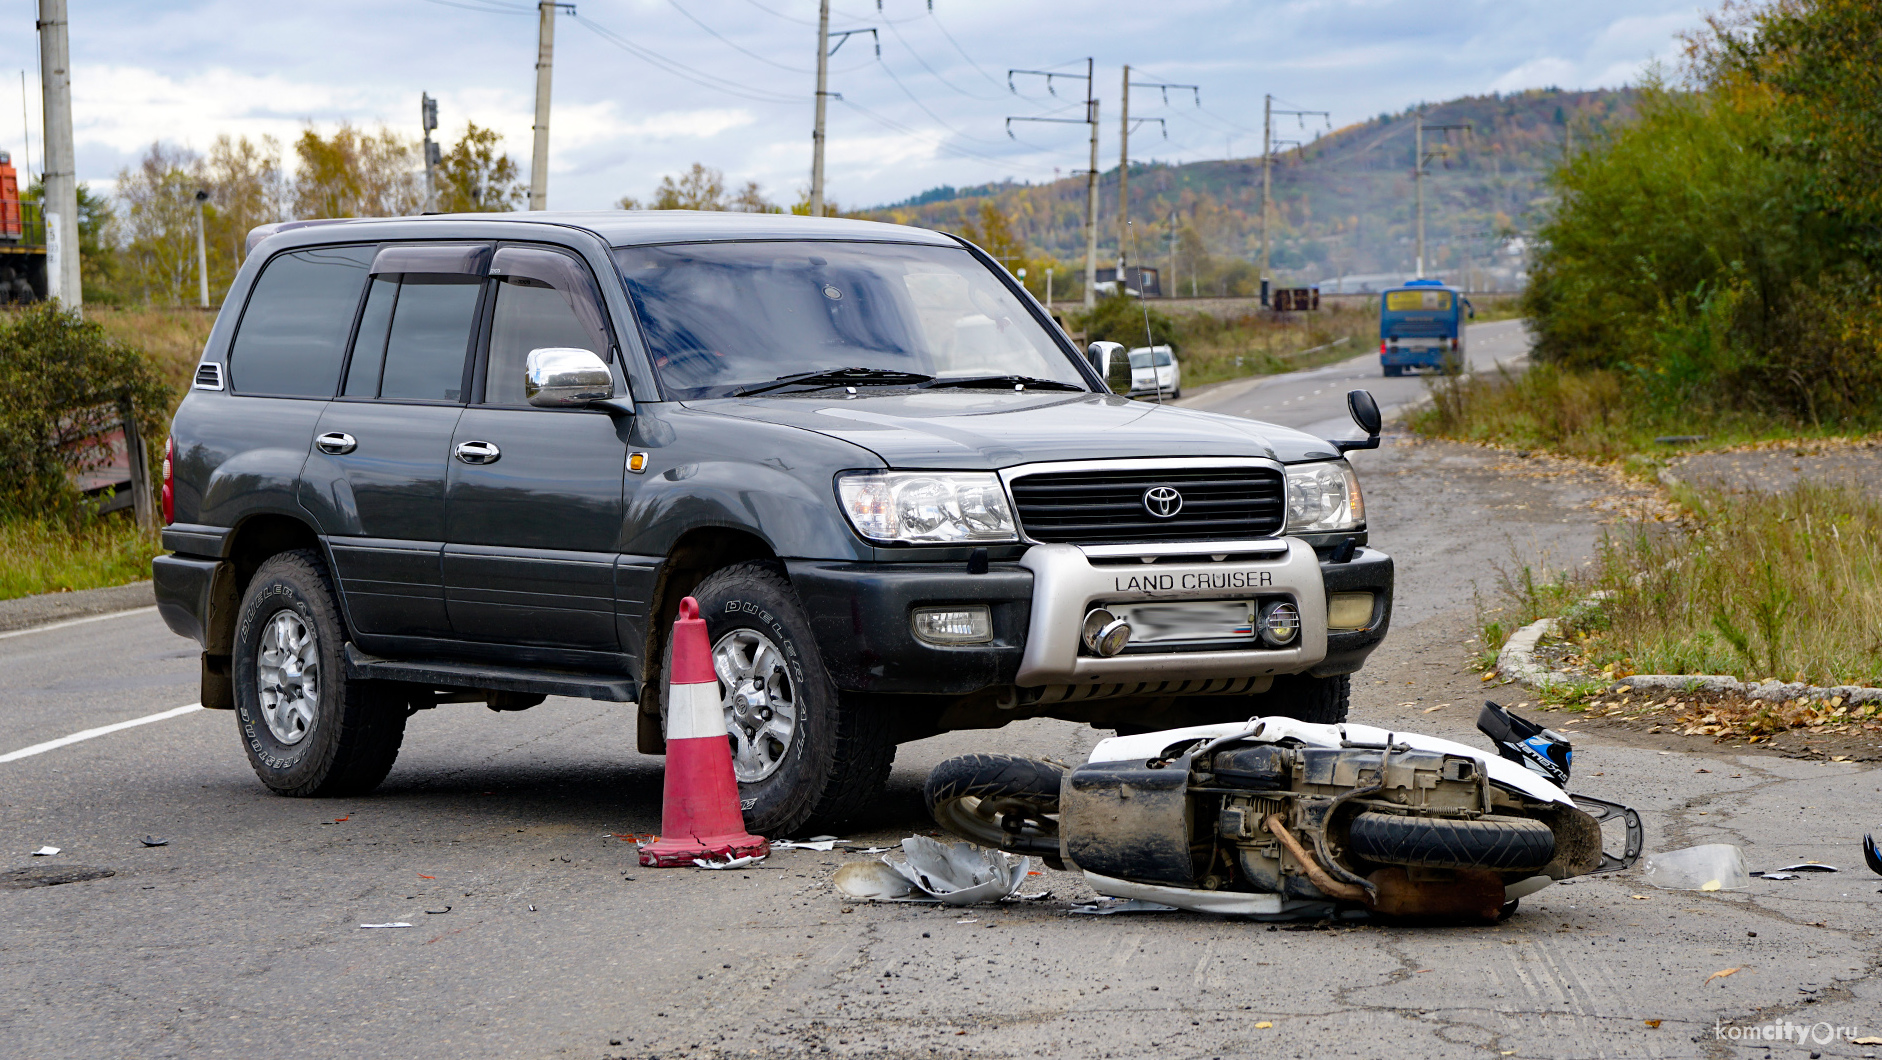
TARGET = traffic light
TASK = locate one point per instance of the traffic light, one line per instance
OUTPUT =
(429, 109)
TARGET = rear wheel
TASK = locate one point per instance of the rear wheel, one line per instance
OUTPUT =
(1001, 801)
(1393, 371)
(307, 728)
(804, 755)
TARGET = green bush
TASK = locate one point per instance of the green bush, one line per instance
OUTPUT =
(61, 379)
(1121, 318)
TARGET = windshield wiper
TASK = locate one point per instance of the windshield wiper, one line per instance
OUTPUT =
(1001, 382)
(838, 377)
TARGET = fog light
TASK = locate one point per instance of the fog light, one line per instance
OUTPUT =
(1280, 623)
(953, 625)
(1105, 633)
(1349, 610)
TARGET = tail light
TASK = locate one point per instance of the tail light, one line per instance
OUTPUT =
(1382, 347)
(169, 481)
(1453, 344)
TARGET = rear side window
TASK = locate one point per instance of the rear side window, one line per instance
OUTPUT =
(293, 332)
(413, 338)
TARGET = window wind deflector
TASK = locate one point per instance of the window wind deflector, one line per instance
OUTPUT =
(1000, 382)
(449, 259)
(838, 377)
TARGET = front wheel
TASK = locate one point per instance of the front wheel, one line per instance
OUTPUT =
(309, 730)
(803, 754)
(1001, 801)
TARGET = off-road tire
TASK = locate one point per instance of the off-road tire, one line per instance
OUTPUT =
(840, 755)
(1502, 844)
(959, 787)
(358, 726)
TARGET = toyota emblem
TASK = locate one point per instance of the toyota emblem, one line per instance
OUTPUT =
(1162, 501)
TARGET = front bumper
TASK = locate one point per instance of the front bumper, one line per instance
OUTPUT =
(860, 614)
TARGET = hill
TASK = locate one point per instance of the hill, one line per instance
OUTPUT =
(1343, 204)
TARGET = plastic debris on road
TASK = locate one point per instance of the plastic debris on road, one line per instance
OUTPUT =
(950, 873)
(153, 841)
(1110, 906)
(395, 924)
(958, 873)
(1711, 867)
(817, 842)
(45, 852)
(729, 863)
(1871, 855)
(1810, 866)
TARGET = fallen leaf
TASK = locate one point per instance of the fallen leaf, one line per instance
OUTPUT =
(1641, 897)
(1652, 1023)
(1720, 974)
(1491, 676)
(1263, 1025)
(1712, 885)
(1871, 1040)
(1429, 710)
(343, 820)
(422, 876)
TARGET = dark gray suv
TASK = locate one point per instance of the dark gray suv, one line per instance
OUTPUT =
(481, 459)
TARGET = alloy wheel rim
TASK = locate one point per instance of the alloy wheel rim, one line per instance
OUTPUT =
(760, 702)
(287, 677)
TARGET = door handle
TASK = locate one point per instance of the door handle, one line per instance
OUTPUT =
(477, 452)
(336, 444)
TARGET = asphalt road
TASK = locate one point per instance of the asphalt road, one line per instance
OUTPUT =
(535, 935)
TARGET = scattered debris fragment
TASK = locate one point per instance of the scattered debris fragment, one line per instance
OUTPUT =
(1810, 866)
(1720, 974)
(1871, 855)
(1709, 867)
(729, 863)
(875, 881)
(1775, 875)
(45, 852)
(1110, 906)
(395, 924)
(958, 873)
(153, 841)
(824, 843)
(435, 912)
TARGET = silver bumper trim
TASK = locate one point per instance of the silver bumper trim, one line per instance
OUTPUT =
(1066, 585)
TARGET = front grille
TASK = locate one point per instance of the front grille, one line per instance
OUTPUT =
(1107, 506)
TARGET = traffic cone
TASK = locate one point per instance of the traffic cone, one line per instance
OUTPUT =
(700, 817)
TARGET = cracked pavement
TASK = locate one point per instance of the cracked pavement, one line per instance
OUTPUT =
(241, 937)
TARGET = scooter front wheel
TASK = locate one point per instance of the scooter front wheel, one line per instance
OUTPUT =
(1002, 801)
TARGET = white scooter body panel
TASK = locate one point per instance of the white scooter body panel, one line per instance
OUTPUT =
(1274, 729)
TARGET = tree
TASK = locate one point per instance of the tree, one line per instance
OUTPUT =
(703, 188)
(97, 243)
(475, 176)
(992, 232)
(159, 224)
(247, 187)
(357, 174)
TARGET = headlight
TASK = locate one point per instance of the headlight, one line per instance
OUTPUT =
(1323, 497)
(922, 507)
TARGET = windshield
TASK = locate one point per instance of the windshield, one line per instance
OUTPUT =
(722, 316)
(1143, 358)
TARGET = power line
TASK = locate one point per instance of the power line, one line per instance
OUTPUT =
(705, 80)
(957, 47)
(931, 70)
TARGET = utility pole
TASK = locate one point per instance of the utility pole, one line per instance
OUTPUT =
(1172, 293)
(1267, 172)
(1418, 175)
(202, 251)
(545, 64)
(60, 172)
(1091, 174)
(824, 52)
(1124, 156)
(428, 120)
(823, 86)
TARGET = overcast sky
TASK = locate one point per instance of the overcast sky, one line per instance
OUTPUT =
(738, 80)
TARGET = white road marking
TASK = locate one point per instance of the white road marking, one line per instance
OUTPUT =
(102, 730)
(50, 626)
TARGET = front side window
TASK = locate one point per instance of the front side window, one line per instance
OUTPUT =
(719, 317)
(293, 332)
(544, 298)
(413, 337)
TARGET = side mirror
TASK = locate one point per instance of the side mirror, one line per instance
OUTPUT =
(1365, 413)
(1113, 363)
(560, 377)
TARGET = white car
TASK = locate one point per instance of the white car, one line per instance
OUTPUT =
(1155, 373)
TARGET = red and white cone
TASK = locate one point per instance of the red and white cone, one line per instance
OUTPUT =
(700, 817)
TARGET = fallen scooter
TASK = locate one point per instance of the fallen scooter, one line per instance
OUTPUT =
(1280, 819)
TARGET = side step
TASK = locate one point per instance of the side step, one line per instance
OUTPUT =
(447, 674)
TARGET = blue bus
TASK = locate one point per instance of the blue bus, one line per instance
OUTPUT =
(1421, 325)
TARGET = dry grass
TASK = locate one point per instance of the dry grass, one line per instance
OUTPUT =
(1785, 586)
(1214, 349)
(38, 557)
(172, 338)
